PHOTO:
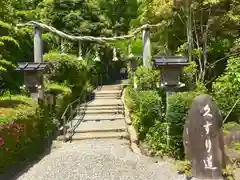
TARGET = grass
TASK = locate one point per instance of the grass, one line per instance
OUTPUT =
(11, 105)
(55, 88)
(7, 114)
(229, 126)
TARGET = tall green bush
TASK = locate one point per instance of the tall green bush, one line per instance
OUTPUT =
(147, 78)
(189, 76)
(130, 98)
(156, 138)
(69, 70)
(24, 130)
(63, 96)
(148, 109)
(25, 126)
(226, 90)
(179, 105)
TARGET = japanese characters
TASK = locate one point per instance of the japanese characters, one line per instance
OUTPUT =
(203, 139)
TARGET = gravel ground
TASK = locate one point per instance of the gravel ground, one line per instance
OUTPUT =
(99, 160)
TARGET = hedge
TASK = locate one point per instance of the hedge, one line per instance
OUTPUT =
(68, 70)
(226, 91)
(20, 132)
(25, 126)
(146, 108)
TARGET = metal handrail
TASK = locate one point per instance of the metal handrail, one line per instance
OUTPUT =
(73, 111)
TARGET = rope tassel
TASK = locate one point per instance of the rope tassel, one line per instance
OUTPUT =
(130, 54)
(115, 55)
(97, 58)
(79, 51)
(62, 46)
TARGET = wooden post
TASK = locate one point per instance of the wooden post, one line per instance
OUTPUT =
(71, 114)
(64, 128)
(38, 57)
(146, 47)
(168, 94)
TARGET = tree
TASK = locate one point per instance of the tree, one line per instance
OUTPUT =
(215, 25)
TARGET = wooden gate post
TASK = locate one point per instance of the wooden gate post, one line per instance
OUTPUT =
(38, 54)
(146, 46)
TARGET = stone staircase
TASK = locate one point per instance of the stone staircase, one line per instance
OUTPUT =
(103, 117)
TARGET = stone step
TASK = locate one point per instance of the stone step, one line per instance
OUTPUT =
(101, 126)
(97, 98)
(103, 111)
(100, 135)
(108, 92)
(105, 102)
(110, 87)
(103, 107)
(106, 95)
(98, 117)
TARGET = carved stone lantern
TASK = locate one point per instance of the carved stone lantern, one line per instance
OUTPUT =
(133, 60)
(170, 68)
(33, 76)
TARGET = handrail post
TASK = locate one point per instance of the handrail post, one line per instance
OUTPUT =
(71, 114)
(97, 83)
(64, 128)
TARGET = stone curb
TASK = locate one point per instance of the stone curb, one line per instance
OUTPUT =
(133, 134)
(126, 111)
(131, 130)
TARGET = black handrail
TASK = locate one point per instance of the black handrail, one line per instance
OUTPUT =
(72, 109)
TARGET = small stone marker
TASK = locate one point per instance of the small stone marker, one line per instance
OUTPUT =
(203, 139)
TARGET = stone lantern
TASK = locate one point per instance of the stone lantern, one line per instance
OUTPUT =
(133, 60)
(33, 76)
(170, 68)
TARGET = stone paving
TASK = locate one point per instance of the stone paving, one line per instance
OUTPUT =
(99, 160)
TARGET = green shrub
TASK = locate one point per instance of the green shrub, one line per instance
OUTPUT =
(189, 76)
(68, 69)
(226, 90)
(7, 75)
(184, 167)
(55, 88)
(229, 126)
(24, 134)
(130, 98)
(147, 78)
(148, 110)
(10, 105)
(63, 97)
(179, 105)
(25, 126)
(156, 138)
(8, 100)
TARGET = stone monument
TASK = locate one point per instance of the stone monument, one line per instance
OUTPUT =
(203, 139)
